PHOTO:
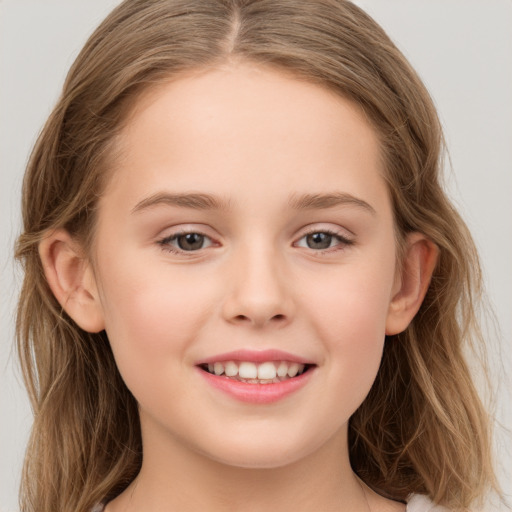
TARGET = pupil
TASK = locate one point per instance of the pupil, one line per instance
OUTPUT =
(190, 241)
(319, 240)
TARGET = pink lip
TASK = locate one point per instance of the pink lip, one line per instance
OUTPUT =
(255, 356)
(256, 393)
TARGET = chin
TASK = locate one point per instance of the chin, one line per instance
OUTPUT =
(258, 460)
(263, 453)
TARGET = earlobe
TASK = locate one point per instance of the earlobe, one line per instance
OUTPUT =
(71, 280)
(420, 260)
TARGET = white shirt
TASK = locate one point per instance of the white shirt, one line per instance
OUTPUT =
(420, 503)
(416, 503)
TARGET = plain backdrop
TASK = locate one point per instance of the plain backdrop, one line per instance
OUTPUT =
(461, 48)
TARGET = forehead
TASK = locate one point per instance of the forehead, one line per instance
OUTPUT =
(246, 124)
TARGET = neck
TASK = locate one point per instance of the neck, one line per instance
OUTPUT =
(177, 478)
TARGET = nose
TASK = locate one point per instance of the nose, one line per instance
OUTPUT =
(259, 292)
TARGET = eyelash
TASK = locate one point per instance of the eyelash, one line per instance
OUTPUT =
(165, 242)
(343, 242)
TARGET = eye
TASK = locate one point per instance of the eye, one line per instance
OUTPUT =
(323, 240)
(185, 242)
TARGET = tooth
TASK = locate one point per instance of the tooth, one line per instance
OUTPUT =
(293, 369)
(210, 367)
(218, 368)
(301, 368)
(248, 370)
(282, 370)
(231, 369)
(266, 371)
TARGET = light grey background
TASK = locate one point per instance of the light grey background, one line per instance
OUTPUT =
(461, 48)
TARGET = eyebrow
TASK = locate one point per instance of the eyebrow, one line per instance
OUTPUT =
(190, 200)
(199, 201)
(322, 201)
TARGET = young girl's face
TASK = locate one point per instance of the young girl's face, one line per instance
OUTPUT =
(248, 221)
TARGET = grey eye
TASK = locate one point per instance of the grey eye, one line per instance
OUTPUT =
(322, 240)
(190, 241)
(319, 240)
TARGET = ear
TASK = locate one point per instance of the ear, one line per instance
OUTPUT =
(412, 283)
(71, 279)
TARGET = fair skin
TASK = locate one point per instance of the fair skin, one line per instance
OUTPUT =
(254, 278)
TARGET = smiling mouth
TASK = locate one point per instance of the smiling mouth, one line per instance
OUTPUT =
(268, 372)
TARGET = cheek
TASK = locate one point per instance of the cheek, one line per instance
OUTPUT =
(351, 323)
(349, 309)
(152, 315)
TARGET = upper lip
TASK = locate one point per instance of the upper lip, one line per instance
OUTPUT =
(255, 356)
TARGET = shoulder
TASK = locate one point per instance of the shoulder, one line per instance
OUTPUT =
(420, 503)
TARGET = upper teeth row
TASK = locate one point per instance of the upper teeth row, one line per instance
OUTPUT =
(263, 371)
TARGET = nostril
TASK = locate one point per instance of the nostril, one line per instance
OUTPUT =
(260, 320)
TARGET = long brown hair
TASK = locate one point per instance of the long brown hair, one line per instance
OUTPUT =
(422, 428)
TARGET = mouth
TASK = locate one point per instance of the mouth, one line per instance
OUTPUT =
(266, 372)
(257, 376)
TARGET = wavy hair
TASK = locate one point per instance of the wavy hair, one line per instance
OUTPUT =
(422, 428)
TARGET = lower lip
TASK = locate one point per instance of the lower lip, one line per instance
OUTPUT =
(257, 393)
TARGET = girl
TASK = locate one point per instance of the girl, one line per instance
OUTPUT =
(244, 286)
